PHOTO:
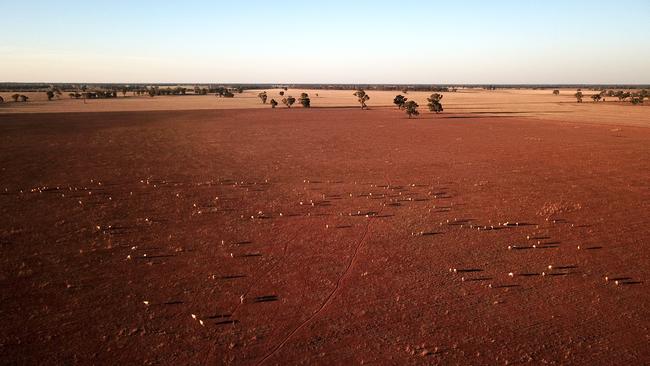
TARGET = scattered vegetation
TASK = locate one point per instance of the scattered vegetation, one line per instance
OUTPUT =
(399, 101)
(621, 95)
(411, 108)
(637, 99)
(434, 103)
(362, 98)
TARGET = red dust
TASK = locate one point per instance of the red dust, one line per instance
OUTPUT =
(322, 237)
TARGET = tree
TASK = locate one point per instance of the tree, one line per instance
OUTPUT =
(399, 101)
(152, 92)
(288, 101)
(262, 96)
(228, 94)
(281, 93)
(411, 108)
(15, 97)
(124, 92)
(434, 103)
(304, 100)
(578, 96)
(273, 103)
(23, 98)
(556, 92)
(362, 98)
(50, 95)
(2, 100)
(596, 97)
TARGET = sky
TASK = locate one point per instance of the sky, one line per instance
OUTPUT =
(426, 42)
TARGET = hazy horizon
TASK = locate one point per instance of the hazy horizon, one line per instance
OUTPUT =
(468, 42)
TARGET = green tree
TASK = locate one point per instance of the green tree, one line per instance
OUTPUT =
(262, 96)
(304, 100)
(362, 98)
(434, 103)
(411, 108)
(281, 93)
(273, 103)
(578, 96)
(399, 101)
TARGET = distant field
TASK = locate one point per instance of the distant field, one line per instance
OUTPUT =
(474, 102)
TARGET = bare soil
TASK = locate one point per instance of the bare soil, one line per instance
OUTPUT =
(324, 236)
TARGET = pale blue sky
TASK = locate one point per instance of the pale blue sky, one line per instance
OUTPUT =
(507, 41)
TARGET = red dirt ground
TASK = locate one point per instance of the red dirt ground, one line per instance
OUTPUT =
(190, 210)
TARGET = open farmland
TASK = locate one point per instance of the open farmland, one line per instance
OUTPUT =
(480, 103)
(510, 229)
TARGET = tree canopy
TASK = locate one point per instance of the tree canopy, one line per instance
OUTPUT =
(411, 108)
(362, 98)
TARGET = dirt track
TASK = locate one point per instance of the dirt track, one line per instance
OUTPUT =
(338, 227)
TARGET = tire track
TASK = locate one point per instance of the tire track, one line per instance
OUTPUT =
(328, 299)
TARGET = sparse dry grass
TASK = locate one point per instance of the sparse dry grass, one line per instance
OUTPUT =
(475, 102)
